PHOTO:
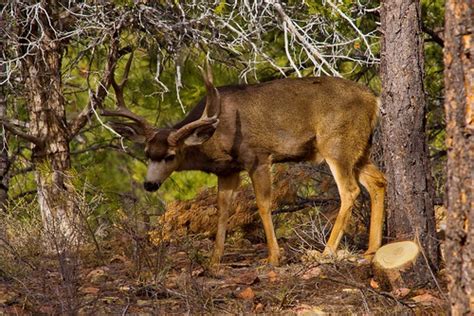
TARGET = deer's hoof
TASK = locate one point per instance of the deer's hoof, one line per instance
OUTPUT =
(369, 255)
(215, 260)
(272, 260)
(328, 252)
(215, 269)
(216, 272)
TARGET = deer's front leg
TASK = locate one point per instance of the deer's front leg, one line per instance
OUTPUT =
(262, 184)
(226, 186)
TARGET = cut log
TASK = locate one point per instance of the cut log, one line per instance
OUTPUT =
(397, 265)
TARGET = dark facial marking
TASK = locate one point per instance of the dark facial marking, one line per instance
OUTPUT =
(170, 157)
(157, 147)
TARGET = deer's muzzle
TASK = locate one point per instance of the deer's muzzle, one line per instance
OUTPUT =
(151, 186)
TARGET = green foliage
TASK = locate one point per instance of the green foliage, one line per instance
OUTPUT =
(98, 156)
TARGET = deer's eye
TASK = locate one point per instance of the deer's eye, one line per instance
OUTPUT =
(169, 158)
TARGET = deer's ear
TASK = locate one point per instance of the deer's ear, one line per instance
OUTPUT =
(200, 135)
(131, 131)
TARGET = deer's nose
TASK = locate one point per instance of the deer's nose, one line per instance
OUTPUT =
(151, 186)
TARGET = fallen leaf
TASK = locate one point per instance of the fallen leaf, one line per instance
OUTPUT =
(307, 310)
(349, 290)
(119, 259)
(311, 273)
(246, 294)
(401, 292)
(143, 302)
(272, 276)
(110, 300)
(89, 290)
(7, 297)
(426, 299)
(248, 278)
(259, 308)
(47, 309)
(198, 272)
(374, 284)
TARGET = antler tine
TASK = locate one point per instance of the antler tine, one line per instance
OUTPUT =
(125, 112)
(213, 103)
(125, 73)
(213, 106)
(186, 130)
(118, 88)
(122, 110)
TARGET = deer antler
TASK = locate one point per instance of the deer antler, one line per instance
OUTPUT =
(186, 130)
(213, 105)
(122, 110)
(213, 100)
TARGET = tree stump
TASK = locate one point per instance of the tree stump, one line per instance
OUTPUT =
(398, 265)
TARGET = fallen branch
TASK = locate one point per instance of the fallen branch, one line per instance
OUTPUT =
(303, 203)
(361, 286)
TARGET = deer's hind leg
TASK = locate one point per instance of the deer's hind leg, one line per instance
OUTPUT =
(374, 181)
(343, 172)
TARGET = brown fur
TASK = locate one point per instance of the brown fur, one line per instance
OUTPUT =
(309, 119)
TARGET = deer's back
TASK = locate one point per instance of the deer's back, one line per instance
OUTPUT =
(290, 118)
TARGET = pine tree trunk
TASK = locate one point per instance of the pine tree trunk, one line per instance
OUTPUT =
(51, 157)
(459, 106)
(410, 213)
(4, 160)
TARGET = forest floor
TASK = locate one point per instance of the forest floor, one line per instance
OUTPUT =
(174, 280)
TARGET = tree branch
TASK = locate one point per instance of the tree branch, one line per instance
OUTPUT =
(434, 36)
(16, 131)
(96, 100)
(299, 205)
(313, 52)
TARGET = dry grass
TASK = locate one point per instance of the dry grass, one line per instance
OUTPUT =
(117, 270)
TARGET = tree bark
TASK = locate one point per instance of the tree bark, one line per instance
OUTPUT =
(47, 121)
(410, 212)
(4, 159)
(459, 106)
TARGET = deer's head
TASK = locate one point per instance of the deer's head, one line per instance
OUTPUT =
(164, 147)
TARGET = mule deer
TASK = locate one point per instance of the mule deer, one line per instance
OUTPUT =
(249, 127)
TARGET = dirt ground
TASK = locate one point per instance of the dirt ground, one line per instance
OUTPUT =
(173, 279)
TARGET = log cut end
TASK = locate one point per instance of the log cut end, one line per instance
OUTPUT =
(396, 265)
(397, 255)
